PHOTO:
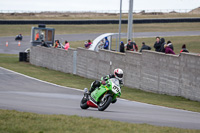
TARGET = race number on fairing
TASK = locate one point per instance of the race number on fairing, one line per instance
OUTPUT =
(115, 89)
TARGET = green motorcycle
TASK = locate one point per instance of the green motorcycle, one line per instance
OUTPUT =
(102, 97)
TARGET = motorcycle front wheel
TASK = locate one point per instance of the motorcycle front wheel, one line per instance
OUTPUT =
(104, 103)
(83, 103)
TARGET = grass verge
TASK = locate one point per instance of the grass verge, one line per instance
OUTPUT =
(13, 30)
(12, 63)
(17, 122)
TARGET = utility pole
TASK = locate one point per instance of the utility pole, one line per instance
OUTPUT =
(120, 21)
(130, 21)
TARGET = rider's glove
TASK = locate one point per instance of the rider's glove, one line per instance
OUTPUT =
(103, 82)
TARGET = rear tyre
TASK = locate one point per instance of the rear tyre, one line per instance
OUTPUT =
(83, 103)
(105, 103)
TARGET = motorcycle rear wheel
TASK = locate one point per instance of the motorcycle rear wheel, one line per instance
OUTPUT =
(105, 103)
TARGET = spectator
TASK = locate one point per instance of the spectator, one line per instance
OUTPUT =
(145, 47)
(44, 44)
(19, 37)
(85, 43)
(131, 46)
(88, 44)
(101, 45)
(106, 44)
(37, 36)
(157, 44)
(66, 47)
(169, 43)
(125, 46)
(122, 47)
(168, 50)
(184, 49)
(162, 48)
(57, 43)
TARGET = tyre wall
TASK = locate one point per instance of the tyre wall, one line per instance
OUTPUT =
(114, 21)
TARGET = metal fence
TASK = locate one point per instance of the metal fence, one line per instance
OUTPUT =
(99, 11)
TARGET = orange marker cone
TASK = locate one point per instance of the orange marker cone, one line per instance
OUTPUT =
(19, 43)
(7, 44)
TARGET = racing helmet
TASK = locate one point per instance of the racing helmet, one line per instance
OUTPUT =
(118, 73)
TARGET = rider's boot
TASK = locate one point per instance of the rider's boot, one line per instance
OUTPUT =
(94, 85)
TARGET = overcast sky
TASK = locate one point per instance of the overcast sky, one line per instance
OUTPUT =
(95, 5)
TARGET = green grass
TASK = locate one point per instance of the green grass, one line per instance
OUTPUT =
(18, 122)
(12, 63)
(192, 43)
(12, 30)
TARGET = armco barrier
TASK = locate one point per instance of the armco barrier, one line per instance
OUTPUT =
(150, 71)
(78, 22)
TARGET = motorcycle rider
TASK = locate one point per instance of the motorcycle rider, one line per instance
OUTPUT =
(118, 74)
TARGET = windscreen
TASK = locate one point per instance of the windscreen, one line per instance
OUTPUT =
(115, 81)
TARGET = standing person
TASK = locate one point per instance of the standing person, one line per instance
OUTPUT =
(168, 50)
(66, 47)
(122, 47)
(56, 43)
(129, 45)
(87, 45)
(37, 36)
(162, 48)
(169, 43)
(184, 49)
(157, 44)
(106, 44)
(145, 47)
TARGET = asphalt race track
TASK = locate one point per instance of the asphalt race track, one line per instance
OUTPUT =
(31, 95)
(13, 47)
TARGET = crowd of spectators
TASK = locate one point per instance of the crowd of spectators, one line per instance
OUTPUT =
(104, 44)
(56, 45)
(160, 45)
(167, 48)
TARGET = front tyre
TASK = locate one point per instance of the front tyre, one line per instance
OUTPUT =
(83, 103)
(104, 103)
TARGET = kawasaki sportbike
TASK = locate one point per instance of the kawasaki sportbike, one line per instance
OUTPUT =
(102, 97)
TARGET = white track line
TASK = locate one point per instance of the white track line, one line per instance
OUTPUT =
(40, 80)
